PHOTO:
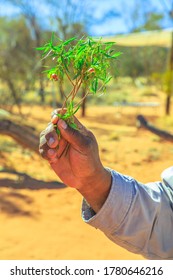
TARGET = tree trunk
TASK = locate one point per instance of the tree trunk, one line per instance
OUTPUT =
(21, 134)
(14, 94)
(168, 103)
(24, 136)
(37, 33)
(168, 100)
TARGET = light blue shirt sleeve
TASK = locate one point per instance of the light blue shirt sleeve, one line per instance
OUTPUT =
(136, 216)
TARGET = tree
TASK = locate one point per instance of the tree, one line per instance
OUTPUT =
(16, 48)
(152, 20)
(144, 16)
(169, 10)
(69, 17)
(31, 10)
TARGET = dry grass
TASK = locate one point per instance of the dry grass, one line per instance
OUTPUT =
(158, 38)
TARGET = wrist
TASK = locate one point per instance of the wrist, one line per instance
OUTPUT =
(97, 188)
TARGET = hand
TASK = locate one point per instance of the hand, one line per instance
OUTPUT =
(74, 157)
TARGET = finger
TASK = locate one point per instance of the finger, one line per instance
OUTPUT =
(46, 152)
(54, 119)
(49, 128)
(58, 111)
(53, 113)
(50, 136)
(43, 149)
(81, 127)
(75, 137)
(52, 155)
(52, 139)
(48, 139)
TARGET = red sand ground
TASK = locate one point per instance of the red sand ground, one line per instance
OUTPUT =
(46, 224)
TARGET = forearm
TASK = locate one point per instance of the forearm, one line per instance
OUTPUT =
(96, 189)
(133, 216)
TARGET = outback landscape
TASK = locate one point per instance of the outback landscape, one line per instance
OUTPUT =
(40, 218)
(44, 61)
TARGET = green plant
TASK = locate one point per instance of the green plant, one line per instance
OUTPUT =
(85, 63)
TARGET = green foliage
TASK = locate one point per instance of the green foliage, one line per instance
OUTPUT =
(165, 80)
(16, 59)
(152, 22)
(84, 62)
(142, 61)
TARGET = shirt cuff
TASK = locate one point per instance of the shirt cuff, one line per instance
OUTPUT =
(116, 206)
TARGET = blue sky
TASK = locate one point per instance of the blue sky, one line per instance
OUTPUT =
(123, 23)
(109, 9)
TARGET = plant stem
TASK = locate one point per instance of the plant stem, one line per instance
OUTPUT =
(76, 88)
(68, 77)
(47, 55)
(67, 97)
(87, 93)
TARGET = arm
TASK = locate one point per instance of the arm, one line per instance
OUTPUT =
(131, 214)
(137, 217)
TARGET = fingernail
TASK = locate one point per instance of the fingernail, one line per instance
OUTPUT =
(51, 141)
(51, 152)
(62, 124)
(54, 119)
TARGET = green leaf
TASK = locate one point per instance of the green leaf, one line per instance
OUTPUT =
(52, 37)
(107, 80)
(40, 48)
(116, 54)
(76, 110)
(58, 132)
(64, 62)
(81, 49)
(89, 42)
(109, 43)
(77, 75)
(106, 54)
(69, 41)
(73, 125)
(94, 86)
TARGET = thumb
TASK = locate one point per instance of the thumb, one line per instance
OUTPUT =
(76, 138)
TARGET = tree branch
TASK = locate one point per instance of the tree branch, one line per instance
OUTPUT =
(21, 134)
(161, 133)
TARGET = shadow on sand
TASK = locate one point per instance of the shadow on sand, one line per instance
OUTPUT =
(24, 181)
(17, 204)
